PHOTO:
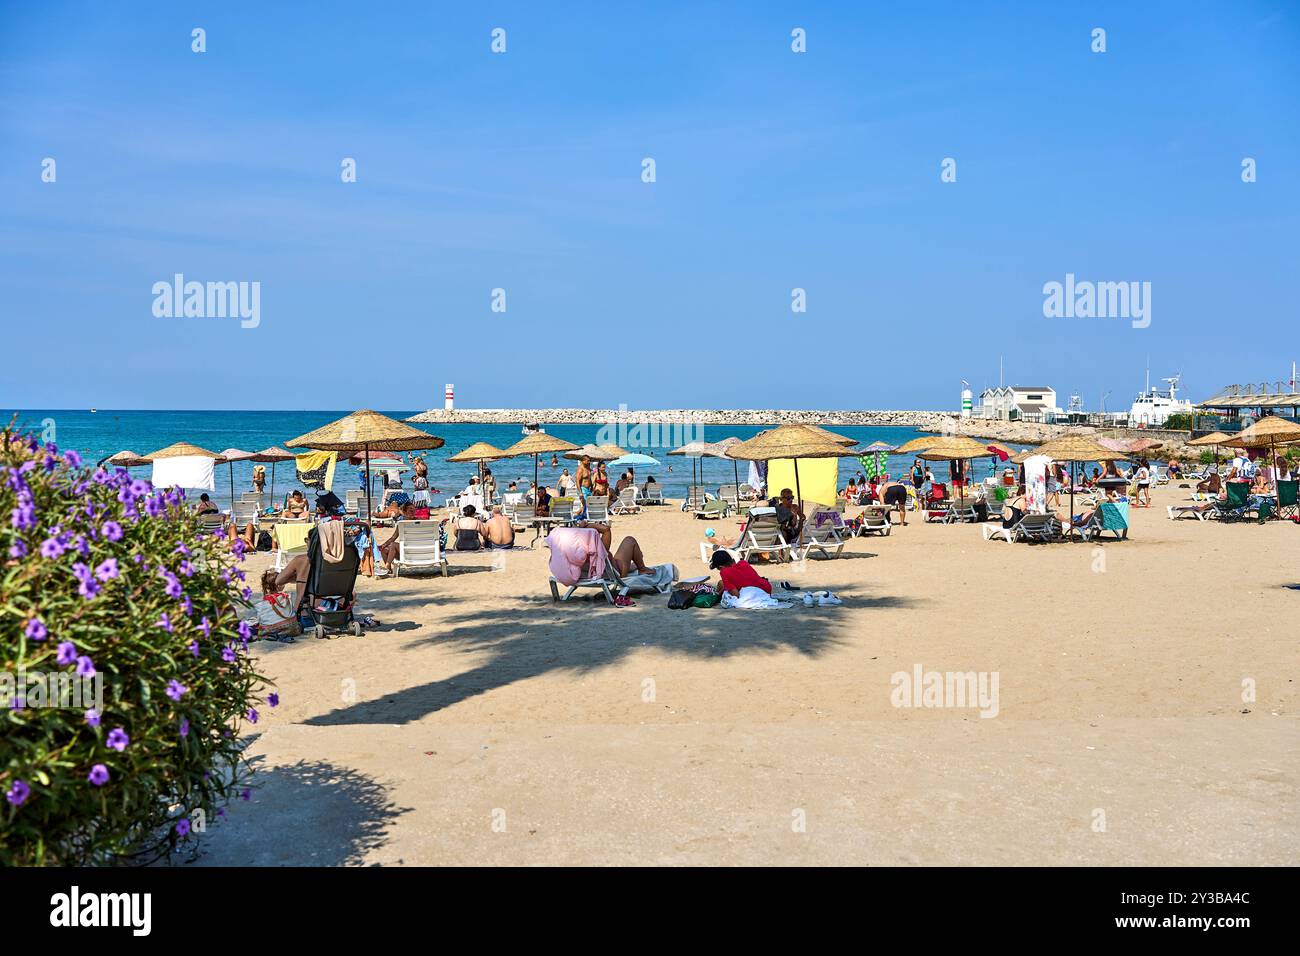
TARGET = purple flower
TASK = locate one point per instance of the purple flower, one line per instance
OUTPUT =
(252, 715)
(273, 699)
(194, 648)
(186, 568)
(36, 630)
(85, 666)
(176, 690)
(98, 775)
(139, 488)
(67, 653)
(165, 622)
(18, 793)
(72, 458)
(182, 827)
(246, 794)
(155, 507)
(185, 727)
(112, 531)
(187, 606)
(92, 717)
(80, 571)
(181, 549)
(52, 548)
(18, 549)
(228, 654)
(107, 570)
(117, 739)
(206, 628)
(23, 518)
(89, 588)
(245, 632)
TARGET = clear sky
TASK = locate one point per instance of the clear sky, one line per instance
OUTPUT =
(522, 171)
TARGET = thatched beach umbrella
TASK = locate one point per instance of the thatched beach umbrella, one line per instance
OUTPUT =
(482, 453)
(1215, 440)
(539, 443)
(793, 442)
(124, 459)
(593, 453)
(369, 431)
(181, 449)
(233, 455)
(1269, 433)
(917, 444)
(273, 455)
(694, 450)
(833, 436)
(955, 448)
(718, 449)
(1075, 448)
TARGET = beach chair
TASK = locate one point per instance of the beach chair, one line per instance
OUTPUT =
(731, 495)
(597, 509)
(1238, 501)
(748, 493)
(1160, 474)
(289, 539)
(875, 520)
(961, 510)
(254, 498)
(244, 514)
(212, 523)
(763, 536)
(1110, 516)
(563, 508)
(696, 498)
(421, 498)
(419, 545)
(626, 504)
(1287, 507)
(1030, 527)
(822, 531)
(362, 509)
(1199, 512)
(937, 504)
(652, 495)
(609, 583)
(713, 508)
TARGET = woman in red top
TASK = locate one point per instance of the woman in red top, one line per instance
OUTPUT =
(737, 574)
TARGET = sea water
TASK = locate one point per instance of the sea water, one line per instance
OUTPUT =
(97, 435)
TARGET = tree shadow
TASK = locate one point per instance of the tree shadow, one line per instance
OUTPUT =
(534, 636)
(309, 813)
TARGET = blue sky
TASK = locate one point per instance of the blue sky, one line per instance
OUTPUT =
(522, 171)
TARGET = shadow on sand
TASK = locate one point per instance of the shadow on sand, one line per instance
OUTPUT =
(310, 813)
(534, 636)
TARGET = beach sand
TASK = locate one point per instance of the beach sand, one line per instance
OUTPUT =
(484, 724)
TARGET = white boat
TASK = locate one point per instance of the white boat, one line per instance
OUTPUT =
(1153, 406)
(533, 429)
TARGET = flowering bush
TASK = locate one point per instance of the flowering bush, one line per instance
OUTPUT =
(108, 579)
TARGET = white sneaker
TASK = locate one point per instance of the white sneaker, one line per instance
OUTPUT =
(808, 600)
(827, 599)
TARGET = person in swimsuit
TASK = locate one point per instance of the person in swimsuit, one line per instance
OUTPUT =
(499, 532)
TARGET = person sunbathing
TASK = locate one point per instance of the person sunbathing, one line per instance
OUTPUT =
(471, 532)
(296, 506)
(206, 506)
(1212, 485)
(628, 558)
(500, 533)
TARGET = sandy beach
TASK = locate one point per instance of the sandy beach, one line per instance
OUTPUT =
(483, 724)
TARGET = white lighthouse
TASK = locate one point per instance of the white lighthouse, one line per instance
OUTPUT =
(966, 397)
(449, 397)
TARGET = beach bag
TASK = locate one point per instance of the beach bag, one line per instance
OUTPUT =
(681, 599)
(264, 541)
(707, 598)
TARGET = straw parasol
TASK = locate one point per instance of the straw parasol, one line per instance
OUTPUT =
(482, 453)
(594, 453)
(538, 443)
(917, 444)
(370, 431)
(1075, 448)
(1215, 439)
(615, 450)
(955, 448)
(273, 455)
(125, 459)
(793, 442)
(718, 449)
(233, 455)
(182, 449)
(695, 450)
(833, 436)
(1268, 433)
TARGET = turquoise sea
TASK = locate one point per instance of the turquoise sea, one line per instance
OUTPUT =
(103, 433)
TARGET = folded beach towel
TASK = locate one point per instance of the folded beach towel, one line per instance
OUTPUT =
(752, 598)
(331, 541)
(661, 578)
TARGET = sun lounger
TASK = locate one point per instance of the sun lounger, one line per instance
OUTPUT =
(244, 514)
(212, 522)
(821, 532)
(763, 536)
(419, 545)
(1109, 516)
(875, 520)
(748, 493)
(653, 495)
(696, 498)
(288, 540)
(626, 504)
(597, 509)
(1031, 527)
(1199, 512)
(731, 495)
(713, 508)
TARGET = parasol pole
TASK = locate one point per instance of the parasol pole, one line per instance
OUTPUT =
(232, 490)
(369, 515)
(798, 492)
(272, 484)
